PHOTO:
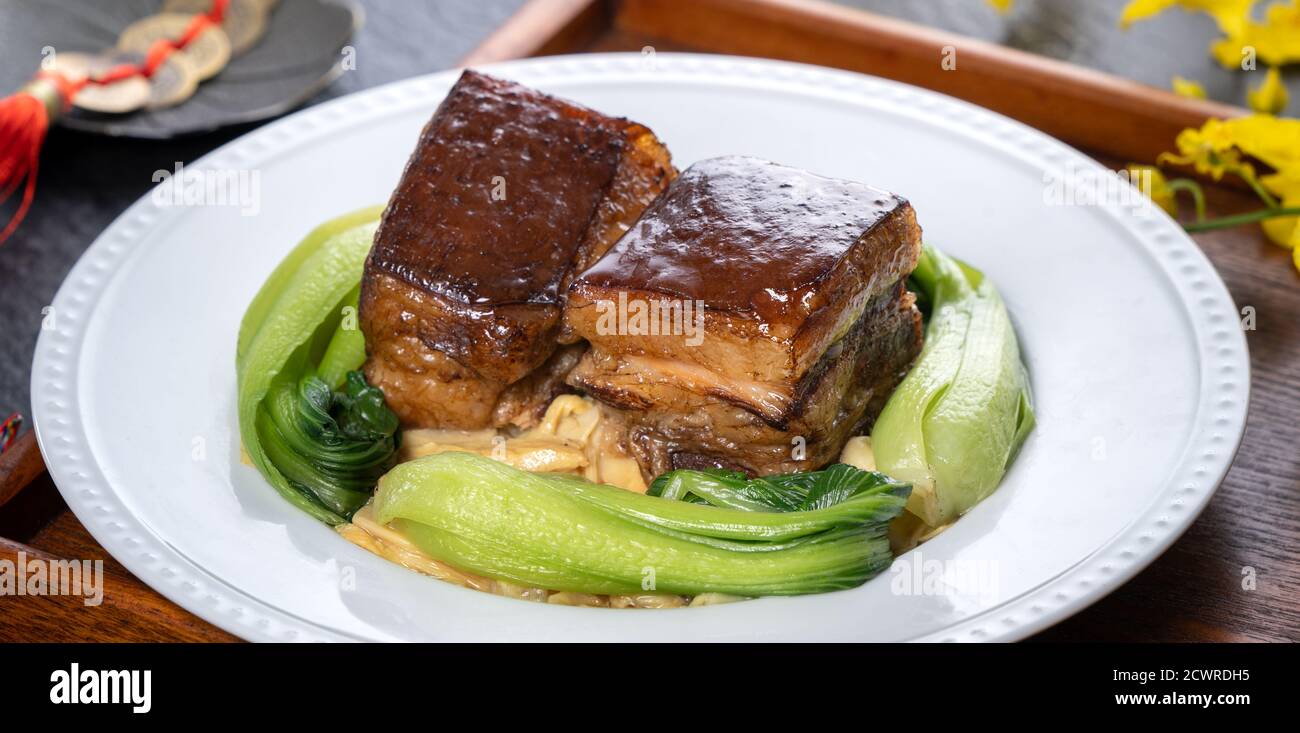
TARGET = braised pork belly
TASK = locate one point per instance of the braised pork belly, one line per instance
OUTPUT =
(805, 325)
(509, 192)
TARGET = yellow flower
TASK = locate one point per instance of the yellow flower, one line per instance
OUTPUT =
(1284, 230)
(1286, 184)
(1276, 41)
(1273, 140)
(1270, 97)
(1002, 6)
(1210, 149)
(1151, 182)
(1229, 52)
(1218, 146)
(1221, 146)
(1189, 88)
(1278, 37)
(1230, 15)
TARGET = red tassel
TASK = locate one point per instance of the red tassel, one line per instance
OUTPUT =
(25, 116)
(24, 120)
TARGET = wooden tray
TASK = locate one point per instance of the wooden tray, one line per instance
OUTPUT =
(1194, 592)
(1088, 109)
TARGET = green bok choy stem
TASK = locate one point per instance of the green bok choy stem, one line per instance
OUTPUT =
(308, 421)
(955, 423)
(565, 533)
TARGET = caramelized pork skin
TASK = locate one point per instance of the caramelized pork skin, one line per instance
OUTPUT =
(783, 260)
(508, 192)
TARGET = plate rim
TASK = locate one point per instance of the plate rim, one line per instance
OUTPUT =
(1223, 350)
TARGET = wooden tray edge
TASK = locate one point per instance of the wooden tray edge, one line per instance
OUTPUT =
(1087, 108)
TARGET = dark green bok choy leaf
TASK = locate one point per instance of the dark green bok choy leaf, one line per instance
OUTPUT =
(790, 492)
(332, 445)
(308, 421)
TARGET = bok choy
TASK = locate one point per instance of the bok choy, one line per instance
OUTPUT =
(307, 419)
(955, 423)
(790, 492)
(564, 533)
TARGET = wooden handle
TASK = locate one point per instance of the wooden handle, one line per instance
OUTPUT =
(1092, 110)
(1087, 108)
(19, 466)
(541, 28)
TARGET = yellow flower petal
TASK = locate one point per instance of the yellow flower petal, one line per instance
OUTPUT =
(1211, 149)
(1222, 146)
(1143, 9)
(1189, 88)
(1270, 97)
(1273, 140)
(1276, 41)
(1232, 16)
(1277, 34)
(1229, 52)
(1285, 184)
(1002, 6)
(1278, 38)
(1280, 231)
(1285, 231)
(1151, 182)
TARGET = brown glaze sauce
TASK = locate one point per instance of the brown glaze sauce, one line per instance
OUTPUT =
(444, 230)
(745, 235)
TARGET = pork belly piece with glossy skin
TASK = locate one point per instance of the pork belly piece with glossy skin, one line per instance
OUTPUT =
(508, 193)
(783, 263)
(699, 421)
(806, 328)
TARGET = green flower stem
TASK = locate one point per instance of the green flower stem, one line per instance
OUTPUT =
(1238, 219)
(1194, 188)
(1263, 194)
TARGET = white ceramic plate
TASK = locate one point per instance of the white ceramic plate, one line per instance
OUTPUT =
(1138, 363)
